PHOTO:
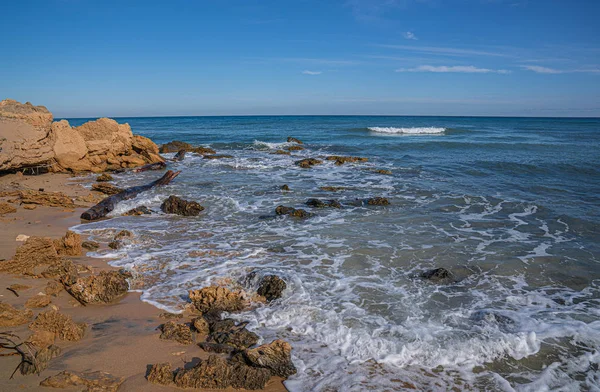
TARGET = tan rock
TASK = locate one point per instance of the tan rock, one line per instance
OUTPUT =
(216, 298)
(70, 150)
(161, 373)
(35, 252)
(106, 135)
(6, 208)
(92, 381)
(38, 301)
(275, 356)
(10, 317)
(104, 287)
(60, 324)
(69, 245)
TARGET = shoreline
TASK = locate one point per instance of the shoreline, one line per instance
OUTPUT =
(122, 338)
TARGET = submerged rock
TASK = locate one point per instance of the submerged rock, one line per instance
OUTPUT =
(178, 332)
(11, 317)
(296, 213)
(285, 188)
(317, 203)
(377, 201)
(271, 287)
(437, 275)
(384, 172)
(102, 288)
(107, 189)
(281, 152)
(308, 163)
(293, 140)
(104, 177)
(490, 317)
(217, 298)
(176, 205)
(294, 148)
(60, 324)
(217, 157)
(69, 245)
(275, 356)
(333, 188)
(340, 160)
(203, 151)
(92, 381)
(180, 156)
(137, 211)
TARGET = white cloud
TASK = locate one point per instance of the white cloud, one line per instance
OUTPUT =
(311, 72)
(436, 50)
(410, 35)
(453, 69)
(539, 69)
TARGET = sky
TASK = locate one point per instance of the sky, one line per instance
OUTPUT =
(90, 58)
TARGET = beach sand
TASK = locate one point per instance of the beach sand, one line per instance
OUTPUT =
(121, 339)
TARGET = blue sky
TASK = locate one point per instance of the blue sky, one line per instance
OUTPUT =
(415, 57)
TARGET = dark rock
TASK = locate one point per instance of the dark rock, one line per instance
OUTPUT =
(248, 377)
(213, 372)
(217, 157)
(296, 213)
(105, 287)
(340, 160)
(216, 348)
(285, 188)
(161, 373)
(308, 163)
(377, 201)
(271, 287)
(384, 171)
(281, 152)
(333, 188)
(107, 189)
(170, 316)
(175, 146)
(178, 332)
(293, 140)
(176, 205)
(489, 317)
(437, 275)
(180, 156)
(231, 334)
(105, 177)
(123, 234)
(39, 362)
(316, 203)
(203, 150)
(294, 148)
(201, 325)
(90, 245)
(275, 356)
(141, 210)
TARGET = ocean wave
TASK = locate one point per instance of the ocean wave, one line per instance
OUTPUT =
(408, 131)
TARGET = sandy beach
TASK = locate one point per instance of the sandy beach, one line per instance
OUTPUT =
(121, 338)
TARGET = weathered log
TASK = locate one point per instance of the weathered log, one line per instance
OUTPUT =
(179, 156)
(150, 166)
(101, 209)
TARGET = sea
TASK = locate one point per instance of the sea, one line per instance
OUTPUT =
(510, 206)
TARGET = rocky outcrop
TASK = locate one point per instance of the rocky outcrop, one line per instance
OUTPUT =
(181, 333)
(293, 212)
(11, 317)
(308, 163)
(91, 381)
(161, 373)
(176, 146)
(69, 245)
(6, 208)
(437, 275)
(29, 139)
(228, 332)
(275, 356)
(102, 288)
(271, 287)
(32, 197)
(218, 299)
(35, 252)
(176, 205)
(60, 324)
(318, 203)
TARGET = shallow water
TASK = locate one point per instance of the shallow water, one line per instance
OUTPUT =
(510, 206)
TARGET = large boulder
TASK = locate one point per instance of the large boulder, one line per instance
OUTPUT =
(60, 324)
(176, 205)
(102, 288)
(105, 136)
(217, 298)
(25, 135)
(70, 149)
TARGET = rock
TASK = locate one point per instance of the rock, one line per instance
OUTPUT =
(176, 205)
(384, 172)
(317, 203)
(69, 245)
(204, 151)
(35, 252)
(437, 275)
(22, 238)
(178, 332)
(6, 208)
(180, 156)
(38, 301)
(216, 348)
(60, 324)
(11, 317)
(217, 298)
(296, 213)
(25, 135)
(170, 316)
(217, 156)
(248, 377)
(41, 339)
(340, 160)
(333, 188)
(146, 148)
(104, 177)
(29, 206)
(103, 288)
(70, 148)
(285, 188)
(489, 317)
(293, 140)
(377, 201)
(123, 234)
(105, 136)
(107, 189)
(175, 146)
(294, 148)
(229, 333)
(137, 211)
(281, 152)
(213, 372)
(90, 245)
(53, 288)
(201, 325)
(92, 381)
(275, 356)
(18, 287)
(50, 199)
(161, 373)
(271, 287)
(39, 362)
(308, 163)
(64, 270)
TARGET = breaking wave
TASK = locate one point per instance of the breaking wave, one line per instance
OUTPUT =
(408, 131)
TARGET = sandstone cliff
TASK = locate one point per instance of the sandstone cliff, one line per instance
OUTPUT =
(30, 139)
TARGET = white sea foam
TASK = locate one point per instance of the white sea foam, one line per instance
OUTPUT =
(408, 131)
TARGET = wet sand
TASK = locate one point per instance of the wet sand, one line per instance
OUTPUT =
(121, 339)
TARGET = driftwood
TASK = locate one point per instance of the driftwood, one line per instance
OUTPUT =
(150, 166)
(101, 209)
(179, 156)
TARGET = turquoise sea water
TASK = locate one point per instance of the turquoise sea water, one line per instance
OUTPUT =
(511, 206)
